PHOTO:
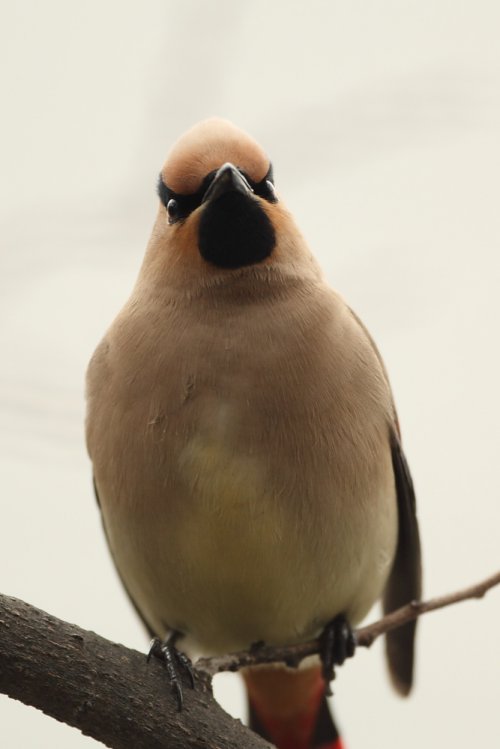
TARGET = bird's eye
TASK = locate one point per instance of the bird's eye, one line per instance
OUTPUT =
(271, 191)
(178, 207)
(265, 189)
(172, 210)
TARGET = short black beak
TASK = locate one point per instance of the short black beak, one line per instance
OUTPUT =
(227, 179)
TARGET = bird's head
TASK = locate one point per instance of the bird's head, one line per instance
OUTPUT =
(219, 210)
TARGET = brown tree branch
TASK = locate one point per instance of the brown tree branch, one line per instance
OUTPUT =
(111, 693)
(366, 635)
(292, 655)
(106, 690)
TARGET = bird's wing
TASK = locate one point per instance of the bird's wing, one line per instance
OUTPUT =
(405, 581)
(150, 632)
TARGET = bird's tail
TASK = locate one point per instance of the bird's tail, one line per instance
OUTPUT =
(289, 709)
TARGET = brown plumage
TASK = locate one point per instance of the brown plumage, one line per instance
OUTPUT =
(207, 146)
(242, 429)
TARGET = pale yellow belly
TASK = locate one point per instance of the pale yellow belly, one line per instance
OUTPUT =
(240, 549)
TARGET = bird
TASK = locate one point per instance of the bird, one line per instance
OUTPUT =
(245, 446)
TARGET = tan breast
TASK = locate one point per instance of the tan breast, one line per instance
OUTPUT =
(243, 464)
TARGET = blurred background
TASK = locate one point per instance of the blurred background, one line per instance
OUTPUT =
(383, 122)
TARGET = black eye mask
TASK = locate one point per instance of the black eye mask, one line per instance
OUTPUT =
(180, 206)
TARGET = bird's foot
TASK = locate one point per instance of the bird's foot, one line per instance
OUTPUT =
(337, 642)
(175, 661)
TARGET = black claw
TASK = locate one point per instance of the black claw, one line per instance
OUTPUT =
(327, 643)
(173, 660)
(154, 649)
(186, 663)
(338, 642)
(168, 652)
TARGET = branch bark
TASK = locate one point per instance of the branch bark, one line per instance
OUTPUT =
(107, 691)
(111, 693)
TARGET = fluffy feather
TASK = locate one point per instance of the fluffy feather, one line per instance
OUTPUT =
(243, 438)
(206, 147)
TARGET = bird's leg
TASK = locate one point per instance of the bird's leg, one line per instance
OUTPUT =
(337, 642)
(174, 660)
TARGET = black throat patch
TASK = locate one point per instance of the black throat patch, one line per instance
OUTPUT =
(235, 231)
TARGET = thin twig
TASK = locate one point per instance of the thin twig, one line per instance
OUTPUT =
(366, 635)
(292, 655)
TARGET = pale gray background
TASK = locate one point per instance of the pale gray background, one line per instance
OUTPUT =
(382, 119)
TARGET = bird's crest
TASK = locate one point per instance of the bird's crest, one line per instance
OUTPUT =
(207, 146)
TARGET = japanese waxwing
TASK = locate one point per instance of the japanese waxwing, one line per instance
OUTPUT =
(244, 441)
